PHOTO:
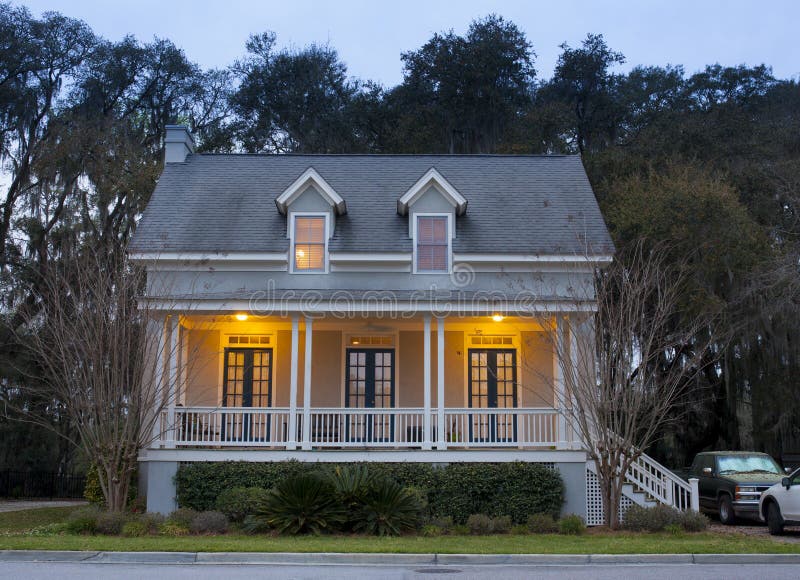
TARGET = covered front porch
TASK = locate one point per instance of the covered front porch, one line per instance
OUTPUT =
(329, 382)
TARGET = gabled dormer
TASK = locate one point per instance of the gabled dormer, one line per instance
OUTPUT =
(310, 205)
(432, 205)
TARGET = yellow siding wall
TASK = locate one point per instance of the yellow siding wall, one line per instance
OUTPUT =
(536, 360)
(203, 383)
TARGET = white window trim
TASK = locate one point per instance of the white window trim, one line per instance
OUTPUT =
(415, 221)
(295, 214)
(300, 185)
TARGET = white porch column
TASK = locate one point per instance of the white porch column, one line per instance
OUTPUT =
(440, 420)
(426, 384)
(162, 342)
(558, 380)
(173, 378)
(291, 439)
(307, 386)
(574, 361)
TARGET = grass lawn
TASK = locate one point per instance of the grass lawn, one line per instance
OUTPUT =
(14, 524)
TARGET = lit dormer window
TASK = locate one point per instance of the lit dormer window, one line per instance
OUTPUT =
(309, 241)
(432, 244)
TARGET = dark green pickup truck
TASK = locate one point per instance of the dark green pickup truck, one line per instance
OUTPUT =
(731, 482)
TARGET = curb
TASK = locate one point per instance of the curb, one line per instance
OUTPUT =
(322, 558)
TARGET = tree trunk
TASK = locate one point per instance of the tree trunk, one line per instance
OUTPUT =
(116, 486)
(610, 484)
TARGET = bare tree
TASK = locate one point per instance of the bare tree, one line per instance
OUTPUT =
(97, 349)
(626, 368)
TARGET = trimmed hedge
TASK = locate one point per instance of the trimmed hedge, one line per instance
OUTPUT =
(457, 490)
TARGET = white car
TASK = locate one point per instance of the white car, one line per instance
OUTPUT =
(780, 504)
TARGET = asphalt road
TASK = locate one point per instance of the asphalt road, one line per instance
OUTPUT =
(84, 571)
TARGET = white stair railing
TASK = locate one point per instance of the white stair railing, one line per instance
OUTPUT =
(652, 479)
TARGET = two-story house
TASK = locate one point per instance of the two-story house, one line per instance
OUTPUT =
(343, 308)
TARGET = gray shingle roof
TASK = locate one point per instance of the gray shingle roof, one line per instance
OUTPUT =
(517, 204)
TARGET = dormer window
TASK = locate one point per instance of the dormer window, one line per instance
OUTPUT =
(432, 244)
(309, 243)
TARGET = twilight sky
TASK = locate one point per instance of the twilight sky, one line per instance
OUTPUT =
(370, 35)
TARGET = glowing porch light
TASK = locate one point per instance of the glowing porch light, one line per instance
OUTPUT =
(241, 317)
(498, 318)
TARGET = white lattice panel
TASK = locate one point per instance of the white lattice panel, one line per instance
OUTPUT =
(594, 502)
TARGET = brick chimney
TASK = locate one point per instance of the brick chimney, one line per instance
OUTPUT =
(178, 143)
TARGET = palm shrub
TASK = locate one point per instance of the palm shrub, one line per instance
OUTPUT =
(305, 503)
(388, 509)
(351, 485)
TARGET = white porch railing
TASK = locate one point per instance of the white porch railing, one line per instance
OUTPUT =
(230, 427)
(360, 428)
(350, 427)
(500, 427)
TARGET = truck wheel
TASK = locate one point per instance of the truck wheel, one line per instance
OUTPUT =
(726, 516)
(774, 519)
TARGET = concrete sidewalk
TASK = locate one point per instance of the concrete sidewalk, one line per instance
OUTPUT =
(240, 558)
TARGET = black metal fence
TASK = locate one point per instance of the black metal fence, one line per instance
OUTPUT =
(40, 485)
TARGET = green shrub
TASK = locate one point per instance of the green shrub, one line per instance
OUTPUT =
(520, 530)
(302, 504)
(83, 521)
(674, 529)
(456, 490)
(479, 524)
(169, 528)
(692, 521)
(421, 496)
(445, 523)
(136, 528)
(111, 523)
(138, 505)
(142, 525)
(240, 502)
(182, 517)
(431, 531)
(209, 523)
(513, 489)
(199, 484)
(643, 519)
(501, 524)
(542, 524)
(460, 530)
(388, 509)
(571, 525)
(92, 492)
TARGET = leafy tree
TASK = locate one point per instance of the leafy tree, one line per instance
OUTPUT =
(294, 101)
(467, 90)
(583, 82)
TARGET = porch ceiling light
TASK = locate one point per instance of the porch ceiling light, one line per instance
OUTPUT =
(241, 316)
(498, 317)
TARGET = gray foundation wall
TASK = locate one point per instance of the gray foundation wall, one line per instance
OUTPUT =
(574, 478)
(157, 483)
